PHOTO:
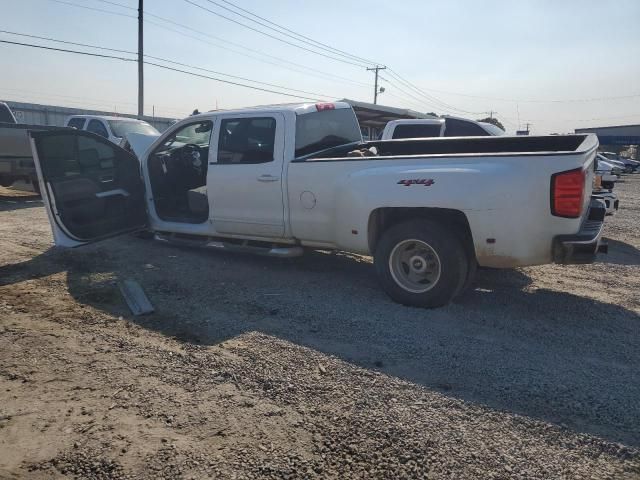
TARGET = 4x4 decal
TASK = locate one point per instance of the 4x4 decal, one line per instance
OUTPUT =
(427, 182)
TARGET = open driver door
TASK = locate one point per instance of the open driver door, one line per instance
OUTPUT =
(92, 189)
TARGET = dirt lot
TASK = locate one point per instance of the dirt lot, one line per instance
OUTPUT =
(262, 368)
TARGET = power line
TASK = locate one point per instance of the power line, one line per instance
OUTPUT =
(513, 100)
(420, 100)
(298, 65)
(333, 77)
(285, 31)
(93, 8)
(433, 100)
(235, 76)
(163, 67)
(163, 60)
(230, 82)
(430, 97)
(68, 51)
(87, 45)
(300, 35)
(68, 42)
(273, 36)
(116, 4)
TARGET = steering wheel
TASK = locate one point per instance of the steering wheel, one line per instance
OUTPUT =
(191, 157)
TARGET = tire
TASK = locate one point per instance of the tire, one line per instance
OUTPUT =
(420, 263)
(472, 270)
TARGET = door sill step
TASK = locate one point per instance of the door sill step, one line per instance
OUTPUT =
(244, 246)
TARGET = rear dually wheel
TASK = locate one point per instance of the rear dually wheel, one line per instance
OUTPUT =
(421, 263)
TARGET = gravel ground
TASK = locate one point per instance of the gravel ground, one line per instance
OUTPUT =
(254, 367)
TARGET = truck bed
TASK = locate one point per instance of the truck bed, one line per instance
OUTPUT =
(538, 145)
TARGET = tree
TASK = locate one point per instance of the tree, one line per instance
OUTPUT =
(493, 121)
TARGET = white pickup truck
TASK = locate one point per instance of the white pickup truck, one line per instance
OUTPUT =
(277, 179)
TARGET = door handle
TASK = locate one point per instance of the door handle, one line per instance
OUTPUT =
(268, 178)
(112, 193)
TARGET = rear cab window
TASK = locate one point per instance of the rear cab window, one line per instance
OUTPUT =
(325, 129)
(247, 140)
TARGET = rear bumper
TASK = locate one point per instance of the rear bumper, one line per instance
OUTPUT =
(583, 246)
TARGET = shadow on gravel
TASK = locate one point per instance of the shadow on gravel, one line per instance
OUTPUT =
(621, 253)
(545, 354)
(18, 203)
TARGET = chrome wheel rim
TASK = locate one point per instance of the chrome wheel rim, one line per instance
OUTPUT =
(415, 266)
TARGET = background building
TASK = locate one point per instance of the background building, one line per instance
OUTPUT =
(617, 138)
(37, 114)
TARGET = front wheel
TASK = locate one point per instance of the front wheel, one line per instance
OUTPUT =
(421, 263)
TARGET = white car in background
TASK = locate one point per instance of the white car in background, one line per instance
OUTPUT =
(629, 166)
(114, 129)
(605, 167)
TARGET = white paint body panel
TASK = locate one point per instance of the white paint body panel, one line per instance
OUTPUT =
(504, 197)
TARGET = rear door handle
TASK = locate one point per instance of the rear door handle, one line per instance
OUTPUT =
(268, 178)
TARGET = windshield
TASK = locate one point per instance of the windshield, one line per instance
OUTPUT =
(121, 127)
(325, 129)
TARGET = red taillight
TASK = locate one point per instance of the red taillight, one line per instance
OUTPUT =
(325, 106)
(567, 192)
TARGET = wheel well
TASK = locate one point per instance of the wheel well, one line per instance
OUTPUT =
(382, 219)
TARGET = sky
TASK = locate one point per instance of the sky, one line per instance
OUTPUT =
(555, 64)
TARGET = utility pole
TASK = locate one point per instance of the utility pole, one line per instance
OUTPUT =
(376, 69)
(140, 62)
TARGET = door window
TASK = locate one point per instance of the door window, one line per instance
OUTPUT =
(247, 140)
(76, 123)
(96, 185)
(96, 126)
(69, 156)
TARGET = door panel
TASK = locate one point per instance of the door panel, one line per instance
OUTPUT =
(245, 180)
(93, 188)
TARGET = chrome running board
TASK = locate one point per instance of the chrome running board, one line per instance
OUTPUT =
(244, 246)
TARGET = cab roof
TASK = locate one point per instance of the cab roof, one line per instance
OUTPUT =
(297, 108)
(107, 117)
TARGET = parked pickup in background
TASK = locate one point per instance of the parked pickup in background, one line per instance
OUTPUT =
(446, 126)
(275, 179)
(16, 161)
